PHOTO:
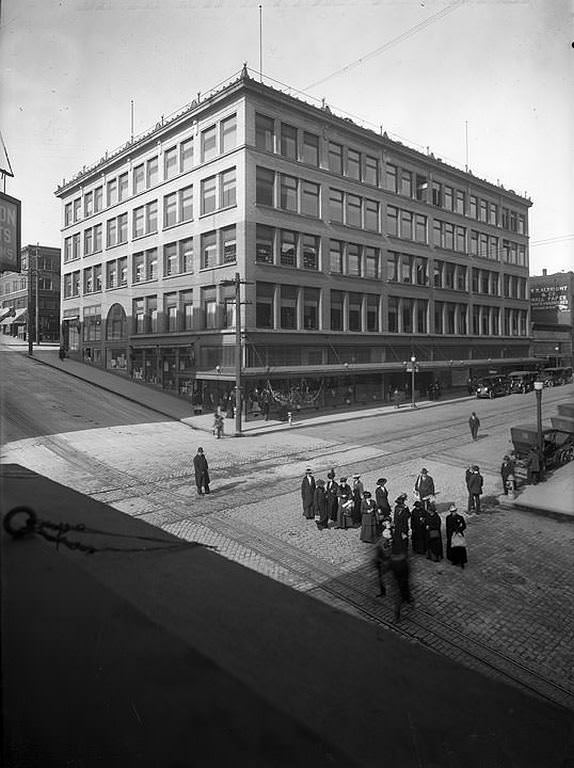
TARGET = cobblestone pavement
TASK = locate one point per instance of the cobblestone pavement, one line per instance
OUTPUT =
(510, 613)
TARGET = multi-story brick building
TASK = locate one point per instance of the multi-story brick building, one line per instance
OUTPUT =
(551, 301)
(38, 281)
(355, 252)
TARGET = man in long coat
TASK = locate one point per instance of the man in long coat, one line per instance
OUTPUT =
(475, 482)
(424, 485)
(308, 494)
(474, 424)
(201, 472)
(401, 517)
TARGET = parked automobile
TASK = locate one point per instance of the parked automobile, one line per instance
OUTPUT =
(553, 377)
(522, 381)
(558, 444)
(493, 386)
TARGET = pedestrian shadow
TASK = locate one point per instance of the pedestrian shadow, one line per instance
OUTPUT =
(490, 505)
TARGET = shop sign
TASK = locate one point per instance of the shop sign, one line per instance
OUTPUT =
(550, 297)
(10, 229)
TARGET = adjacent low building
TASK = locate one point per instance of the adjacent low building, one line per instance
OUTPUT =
(551, 301)
(355, 254)
(38, 282)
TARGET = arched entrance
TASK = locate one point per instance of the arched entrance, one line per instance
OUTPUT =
(117, 339)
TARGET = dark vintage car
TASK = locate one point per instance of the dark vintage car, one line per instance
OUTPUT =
(554, 377)
(558, 444)
(493, 386)
(522, 381)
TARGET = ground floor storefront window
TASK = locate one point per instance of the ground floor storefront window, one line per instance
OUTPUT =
(117, 360)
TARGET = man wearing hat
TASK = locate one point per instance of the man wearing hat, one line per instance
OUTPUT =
(506, 471)
(332, 491)
(382, 497)
(424, 485)
(401, 518)
(345, 503)
(474, 484)
(201, 471)
(455, 524)
(308, 494)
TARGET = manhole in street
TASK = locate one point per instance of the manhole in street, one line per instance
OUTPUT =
(512, 578)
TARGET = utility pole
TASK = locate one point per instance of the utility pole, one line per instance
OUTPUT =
(29, 319)
(37, 336)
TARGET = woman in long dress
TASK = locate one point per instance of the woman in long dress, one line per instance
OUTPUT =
(455, 539)
(419, 528)
(368, 519)
(434, 541)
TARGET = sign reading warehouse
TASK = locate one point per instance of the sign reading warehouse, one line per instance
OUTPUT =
(10, 225)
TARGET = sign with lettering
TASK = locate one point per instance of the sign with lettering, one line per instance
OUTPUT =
(550, 297)
(10, 227)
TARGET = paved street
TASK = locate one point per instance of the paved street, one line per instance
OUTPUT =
(509, 613)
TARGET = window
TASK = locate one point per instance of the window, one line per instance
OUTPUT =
(264, 237)
(138, 222)
(492, 213)
(139, 178)
(372, 215)
(494, 284)
(393, 314)
(228, 133)
(407, 225)
(208, 195)
(407, 315)
(170, 260)
(391, 177)
(170, 163)
(448, 198)
(310, 199)
(421, 316)
(353, 260)
(521, 221)
(336, 206)
(88, 280)
(170, 210)
(264, 133)
(449, 273)
(310, 148)
(139, 315)
(450, 318)
(393, 267)
(310, 252)
(288, 252)
(264, 305)
(151, 307)
(475, 276)
(461, 278)
(264, 181)
(460, 244)
(186, 255)
(229, 245)
(372, 313)
(437, 194)
(151, 264)
(208, 144)
(186, 299)
(484, 281)
(208, 250)
(88, 242)
(438, 312)
(288, 308)
(288, 141)
(67, 214)
(151, 217)
(473, 208)
(437, 274)
(335, 158)
(371, 262)
(421, 188)
(459, 201)
(228, 188)
(311, 309)
(354, 164)
(97, 238)
(420, 268)
(354, 211)
(123, 270)
(122, 186)
(186, 155)
(88, 203)
(420, 228)
(138, 267)
(67, 249)
(77, 209)
(392, 220)
(462, 322)
(76, 283)
(123, 228)
(337, 305)
(371, 171)
(407, 264)
(448, 236)
(170, 310)
(288, 192)
(336, 257)
(355, 304)
(406, 183)
(483, 210)
(473, 242)
(98, 199)
(152, 172)
(185, 204)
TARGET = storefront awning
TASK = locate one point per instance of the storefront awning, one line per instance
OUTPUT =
(4, 312)
(20, 317)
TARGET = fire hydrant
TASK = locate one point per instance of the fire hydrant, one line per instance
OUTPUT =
(290, 417)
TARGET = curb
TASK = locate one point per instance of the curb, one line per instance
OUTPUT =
(534, 510)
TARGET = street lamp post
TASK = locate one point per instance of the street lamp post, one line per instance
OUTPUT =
(413, 366)
(556, 350)
(538, 386)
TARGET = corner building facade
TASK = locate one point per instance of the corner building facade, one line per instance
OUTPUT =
(355, 253)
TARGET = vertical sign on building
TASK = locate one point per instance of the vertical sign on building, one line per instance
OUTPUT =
(10, 227)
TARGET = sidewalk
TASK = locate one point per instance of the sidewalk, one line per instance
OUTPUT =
(553, 496)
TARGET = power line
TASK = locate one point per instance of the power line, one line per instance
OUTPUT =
(392, 43)
(552, 240)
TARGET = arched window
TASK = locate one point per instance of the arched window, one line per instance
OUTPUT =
(116, 324)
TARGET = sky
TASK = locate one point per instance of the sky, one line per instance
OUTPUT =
(488, 81)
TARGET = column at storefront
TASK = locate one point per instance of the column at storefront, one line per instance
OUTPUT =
(92, 335)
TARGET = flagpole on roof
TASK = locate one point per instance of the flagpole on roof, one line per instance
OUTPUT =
(5, 164)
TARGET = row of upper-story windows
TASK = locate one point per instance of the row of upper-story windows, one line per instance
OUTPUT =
(217, 139)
